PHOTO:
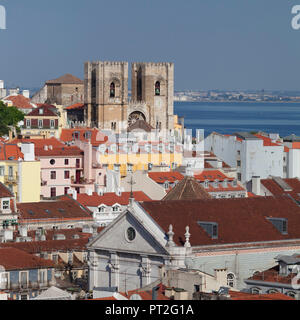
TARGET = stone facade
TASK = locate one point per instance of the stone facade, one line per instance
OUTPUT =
(106, 95)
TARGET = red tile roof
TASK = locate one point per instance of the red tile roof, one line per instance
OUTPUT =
(65, 79)
(75, 106)
(162, 177)
(5, 192)
(58, 148)
(267, 141)
(220, 188)
(272, 275)
(20, 102)
(62, 209)
(16, 259)
(48, 111)
(248, 296)
(276, 190)
(35, 247)
(110, 198)
(239, 220)
(97, 137)
(9, 151)
(212, 175)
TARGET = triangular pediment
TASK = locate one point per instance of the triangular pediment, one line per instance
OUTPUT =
(115, 237)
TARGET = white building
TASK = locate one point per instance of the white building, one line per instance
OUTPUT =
(252, 155)
(240, 235)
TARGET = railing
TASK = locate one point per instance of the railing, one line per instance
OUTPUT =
(25, 286)
(11, 178)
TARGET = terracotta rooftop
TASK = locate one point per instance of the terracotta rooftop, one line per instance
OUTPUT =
(110, 198)
(276, 190)
(237, 295)
(96, 136)
(267, 141)
(212, 175)
(35, 247)
(187, 189)
(66, 209)
(65, 79)
(48, 111)
(75, 106)
(239, 220)
(272, 275)
(12, 258)
(10, 151)
(5, 192)
(20, 102)
(162, 177)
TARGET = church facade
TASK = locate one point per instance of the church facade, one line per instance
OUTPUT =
(107, 103)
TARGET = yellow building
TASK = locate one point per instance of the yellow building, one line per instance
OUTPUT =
(20, 173)
(142, 156)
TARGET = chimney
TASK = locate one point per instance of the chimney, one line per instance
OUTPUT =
(28, 150)
(256, 185)
(26, 93)
(154, 293)
(23, 231)
(74, 194)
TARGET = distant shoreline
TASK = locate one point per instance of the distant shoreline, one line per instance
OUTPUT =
(226, 101)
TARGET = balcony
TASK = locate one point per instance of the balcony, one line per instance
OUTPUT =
(25, 286)
(11, 179)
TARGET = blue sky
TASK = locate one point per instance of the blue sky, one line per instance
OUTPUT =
(215, 44)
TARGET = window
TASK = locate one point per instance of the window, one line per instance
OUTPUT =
(66, 162)
(113, 126)
(101, 209)
(42, 276)
(166, 185)
(40, 123)
(5, 204)
(239, 176)
(116, 208)
(255, 290)
(66, 190)
(280, 224)
(210, 227)
(2, 171)
(112, 92)
(53, 175)
(131, 234)
(77, 163)
(53, 192)
(55, 257)
(28, 123)
(231, 280)
(157, 88)
(238, 163)
(67, 174)
(52, 162)
(10, 172)
(52, 124)
(206, 185)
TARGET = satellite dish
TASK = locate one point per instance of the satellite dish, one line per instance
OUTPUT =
(135, 297)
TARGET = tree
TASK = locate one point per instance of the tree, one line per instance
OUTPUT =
(9, 117)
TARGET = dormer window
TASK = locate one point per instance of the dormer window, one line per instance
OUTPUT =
(116, 208)
(76, 135)
(41, 111)
(157, 88)
(112, 92)
(225, 184)
(234, 183)
(87, 135)
(167, 185)
(216, 183)
(281, 224)
(102, 209)
(210, 227)
(206, 184)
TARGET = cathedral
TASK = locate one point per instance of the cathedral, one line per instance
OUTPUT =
(107, 103)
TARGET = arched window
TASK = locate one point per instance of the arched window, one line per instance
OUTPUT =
(112, 90)
(255, 290)
(273, 291)
(231, 280)
(291, 294)
(157, 88)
